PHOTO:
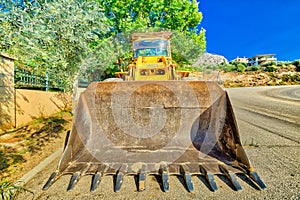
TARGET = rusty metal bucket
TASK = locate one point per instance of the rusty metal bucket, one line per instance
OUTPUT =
(154, 128)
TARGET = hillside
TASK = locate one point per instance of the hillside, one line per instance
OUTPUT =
(211, 59)
(238, 74)
(259, 78)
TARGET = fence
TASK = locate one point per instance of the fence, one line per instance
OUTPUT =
(26, 79)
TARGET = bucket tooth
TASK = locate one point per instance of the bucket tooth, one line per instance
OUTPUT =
(53, 177)
(232, 177)
(257, 179)
(187, 178)
(73, 181)
(95, 182)
(188, 182)
(234, 181)
(97, 177)
(119, 178)
(165, 181)
(142, 182)
(165, 178)
(142, 179)
(210, 178)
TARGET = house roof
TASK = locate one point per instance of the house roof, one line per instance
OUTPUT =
(263, 55)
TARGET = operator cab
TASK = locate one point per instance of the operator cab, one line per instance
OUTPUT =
(157, 47)
(151, 44)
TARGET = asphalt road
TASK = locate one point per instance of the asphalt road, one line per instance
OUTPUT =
(269, 123)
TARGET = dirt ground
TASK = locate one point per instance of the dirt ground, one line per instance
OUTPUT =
(24, 148)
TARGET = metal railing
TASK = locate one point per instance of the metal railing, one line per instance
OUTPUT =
(27, 79)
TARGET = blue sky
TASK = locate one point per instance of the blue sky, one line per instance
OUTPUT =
(250, 27)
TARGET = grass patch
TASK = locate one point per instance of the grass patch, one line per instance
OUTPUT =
(251, 144)
(9, 190)
(8, 157)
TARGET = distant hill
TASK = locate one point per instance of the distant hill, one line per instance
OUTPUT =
(210, 59)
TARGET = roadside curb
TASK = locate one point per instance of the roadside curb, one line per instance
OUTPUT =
(29, 175)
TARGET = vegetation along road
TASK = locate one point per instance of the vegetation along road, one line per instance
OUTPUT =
(269, 123)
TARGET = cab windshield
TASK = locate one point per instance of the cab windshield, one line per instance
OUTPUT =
(151, 48)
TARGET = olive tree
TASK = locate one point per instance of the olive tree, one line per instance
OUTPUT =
(53, 36)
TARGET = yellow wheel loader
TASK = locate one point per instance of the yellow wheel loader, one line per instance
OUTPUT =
(152, 122)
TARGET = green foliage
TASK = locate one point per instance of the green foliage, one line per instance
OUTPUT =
(110, 72)
(65, 37)
(229, 68)
(3, 161)
(271, 68)
(8, 157)
(190, 68)
(221, 66)
(279, 64)
(297, 64)
(185, 51)
(235, 63)
(179, 16)
(240, 67)
(253, 68)
(269, 64)
(127, 15)
(233, 66)
(251, 144)
(9, 190)
(54, 36)
(106, 57)
(291, 78)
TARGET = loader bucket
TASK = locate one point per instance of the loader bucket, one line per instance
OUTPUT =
(159, 128)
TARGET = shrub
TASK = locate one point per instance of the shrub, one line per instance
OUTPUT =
(270, 68)
(253, 68)
(229, 68)
(297, 64)
(290, 78)
(221, 66)
(280, 64)
(269, 64)
(240, 67)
